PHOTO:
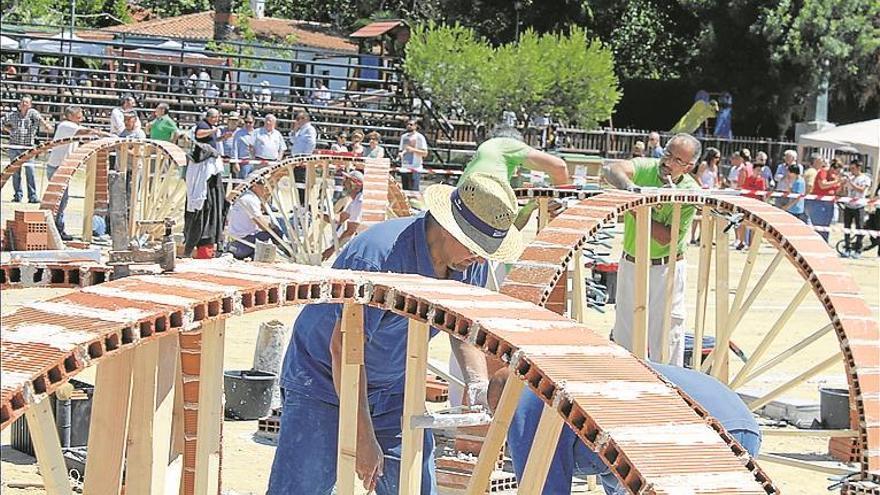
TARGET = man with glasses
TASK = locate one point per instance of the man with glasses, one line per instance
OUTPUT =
(412, 152)
(670, 170)
(242, 141)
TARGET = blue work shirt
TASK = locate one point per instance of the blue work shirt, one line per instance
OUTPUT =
(798, 187)
(241, 140)
(397, 246)
(573, 457)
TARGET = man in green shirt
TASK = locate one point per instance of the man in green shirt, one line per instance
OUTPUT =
(670, 170)
(162, 127)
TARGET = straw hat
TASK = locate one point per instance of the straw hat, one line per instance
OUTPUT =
(479, 213)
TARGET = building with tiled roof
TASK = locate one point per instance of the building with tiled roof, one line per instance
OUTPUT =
(200, 27)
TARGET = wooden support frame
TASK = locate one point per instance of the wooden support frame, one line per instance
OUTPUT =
(207, 465)
(786, 461)
(707, 233)
(414, 405)
(154, 379)
(738, 312)
(174, 473)
(578, 290)
(110, 408)
(496, 436)
(836, 358)
(774, 432)
(782, 356)
(47, 447)
(543, 213)
(352, 330)
(670, 283)
(89, 201)
(541, 453)
(722, 302)
(643, 265)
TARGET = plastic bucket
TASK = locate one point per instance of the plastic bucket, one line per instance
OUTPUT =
(834, 408)
(248, 393)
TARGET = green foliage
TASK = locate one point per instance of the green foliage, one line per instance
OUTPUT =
(244, 32)
(90, 13)
(165, 8)
(568, 77)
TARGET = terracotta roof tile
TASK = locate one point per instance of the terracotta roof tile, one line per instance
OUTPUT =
(200, 26)
(375, 29)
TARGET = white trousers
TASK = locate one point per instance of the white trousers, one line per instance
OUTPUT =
(625, 309)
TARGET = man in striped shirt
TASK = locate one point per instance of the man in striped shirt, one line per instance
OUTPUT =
(22, 124)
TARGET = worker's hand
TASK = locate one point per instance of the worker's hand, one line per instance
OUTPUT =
(370, 463)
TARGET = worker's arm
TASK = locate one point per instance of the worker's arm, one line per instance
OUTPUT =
(350, 231)
(369, 463)
(551, 165)
(45, 123)
(619, 173)
(203, 133)
(472, 363)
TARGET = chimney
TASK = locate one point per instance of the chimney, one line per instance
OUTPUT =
(258, 7)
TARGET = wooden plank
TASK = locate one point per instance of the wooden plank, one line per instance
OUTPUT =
(352, 329)
(414, 405)
(737, 313)
(541, 453)
(707, 226)
(782, 356)
(174, 473)
(110, 408)
(578, 290)
(836, 358)
(47, 447)
(811, 466)
(207, 470)
(543, 213)
(496, 436)
(151, 415)
(135, 173)
(722, 301)
(643, 264)
(776, 432)
(89, 201)
(670, 283)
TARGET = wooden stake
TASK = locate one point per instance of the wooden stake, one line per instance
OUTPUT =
(414, 405)
(541, 453)
(722, 301)
(811, 466)
(89, 201)
(109, 424)
(784, 355)
(643, 265)
(543, 213)
(174, 473)
(775, 432)
(707, 226)
(134, 175)
(670, 283)
(736, 316)
(837, 358)
(578, 291)
(207, 470)
(47, 447)
(494, 441)
(352, 329)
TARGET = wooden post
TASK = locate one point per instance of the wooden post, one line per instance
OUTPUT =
(134, 174)
(109, 425)
(737, 313)
(496, 435)
(578, 291)
(47, 447)
(174, 474)
(670, 283)
(89, 201)
(643, 265)
(782, 356)
(722, 300)
(707, 226)
(352, 329)
(541, 453)
(151, 415)
(543, 213)
(414, 405)
(207, 470)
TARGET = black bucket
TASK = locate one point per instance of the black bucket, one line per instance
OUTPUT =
(834, 408)
(248, 393)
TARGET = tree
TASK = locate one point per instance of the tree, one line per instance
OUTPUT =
(164, 8)
(90, 13)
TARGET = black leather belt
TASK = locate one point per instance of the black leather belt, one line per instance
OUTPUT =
(654, 261)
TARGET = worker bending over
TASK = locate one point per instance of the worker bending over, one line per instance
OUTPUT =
(248, 223)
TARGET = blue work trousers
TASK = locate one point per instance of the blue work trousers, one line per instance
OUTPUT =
(305, 461)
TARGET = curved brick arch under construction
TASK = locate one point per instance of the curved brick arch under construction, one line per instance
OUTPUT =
(15, 165)
(46, 343)
(544, 263)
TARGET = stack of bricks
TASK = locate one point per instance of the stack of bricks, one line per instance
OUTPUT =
(454, 474)
(844, 449)
(102, 184)
(29, 231)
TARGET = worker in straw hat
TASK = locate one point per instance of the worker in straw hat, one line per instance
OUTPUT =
(463, 226)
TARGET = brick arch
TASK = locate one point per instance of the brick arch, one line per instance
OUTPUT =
(15, 165)
(552, 357)
(544, 262)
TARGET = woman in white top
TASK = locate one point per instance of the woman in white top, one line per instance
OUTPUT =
(339, 146)
(374, 149)
(357, 137)
(708, 177)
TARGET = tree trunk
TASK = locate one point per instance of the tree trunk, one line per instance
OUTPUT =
(222, 26)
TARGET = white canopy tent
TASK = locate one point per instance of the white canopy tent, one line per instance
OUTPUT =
(65, 43)
(863, 136)
(8, 43)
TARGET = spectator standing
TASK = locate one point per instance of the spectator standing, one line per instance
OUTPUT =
(795, 205)
(265, 95)
(747, 168)
(737, 165)
(754, 182)
(374, 149)
(789, 157)
(413, 150)
(638, 149)
(340, 145)
(708, 177)
(826, 183)
(203, 82)
(22, 125)
(162, 127)
(130, 128)
(303, 137)
(654, 150)
(762, 166)
(69, 127)
(357, 137)
(242, 143)
(229, 130)
(117, 115)
(205, 194)
(810, 175)
(321, 93)
(268, 143)
(857, 185)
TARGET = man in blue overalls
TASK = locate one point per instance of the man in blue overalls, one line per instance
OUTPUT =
(574, 458)
(463, 227)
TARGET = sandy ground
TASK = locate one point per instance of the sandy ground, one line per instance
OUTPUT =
(247, 462)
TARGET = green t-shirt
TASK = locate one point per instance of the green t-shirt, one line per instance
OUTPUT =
(647, 174)
(163, 128)
(499, 157)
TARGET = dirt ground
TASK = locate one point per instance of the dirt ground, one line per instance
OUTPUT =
(246, 462)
